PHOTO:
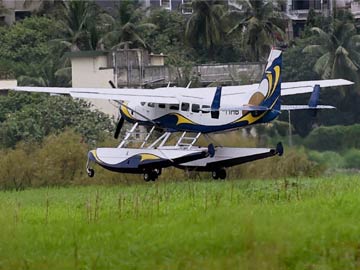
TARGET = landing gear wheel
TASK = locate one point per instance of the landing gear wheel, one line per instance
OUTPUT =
(219, 174)
(154, 176)
(147, 177)
(222, 174)
(90, 172)
(215, 175)
(151, 176)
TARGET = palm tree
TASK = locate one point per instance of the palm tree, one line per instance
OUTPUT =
(205, 26)
(338, 50)
(126, 27)
(51, 73)
(77, 17)
(259, 25)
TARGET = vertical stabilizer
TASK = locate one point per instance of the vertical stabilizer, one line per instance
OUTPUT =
(270, 85)
(268, 93)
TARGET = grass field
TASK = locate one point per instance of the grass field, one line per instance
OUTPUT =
(294, 224)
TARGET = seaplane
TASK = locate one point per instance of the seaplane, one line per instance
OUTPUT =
(189, 113)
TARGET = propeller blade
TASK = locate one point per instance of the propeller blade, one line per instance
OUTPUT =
(118, 127)
(112, 84)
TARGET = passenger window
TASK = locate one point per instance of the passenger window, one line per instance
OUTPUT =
(174, 107)
(152, 105)
(205, 108)
(195, 108)
(185, 107)
(162, 105)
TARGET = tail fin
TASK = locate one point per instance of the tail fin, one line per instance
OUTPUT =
(270, 85)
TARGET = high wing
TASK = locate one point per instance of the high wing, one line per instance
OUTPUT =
(168, 95)
(174, 95)
(126, 94)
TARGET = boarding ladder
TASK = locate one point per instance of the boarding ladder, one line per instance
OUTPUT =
(136, 135)
(187, 141)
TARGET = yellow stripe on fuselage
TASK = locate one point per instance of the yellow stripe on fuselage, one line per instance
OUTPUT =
(148, 157)
(183, 120)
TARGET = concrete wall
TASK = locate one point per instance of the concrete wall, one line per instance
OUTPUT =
(14, 6)
(89, 72)
(5, 85)
(86, 72)
(156, 76)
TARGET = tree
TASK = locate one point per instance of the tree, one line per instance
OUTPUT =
(337, 50)
(167, 36)
(36, 116)
(25, 45)
(205, 26)
(78, 17)
(260, 26)
(126, 26)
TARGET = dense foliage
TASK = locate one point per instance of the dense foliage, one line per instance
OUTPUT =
(32, 117)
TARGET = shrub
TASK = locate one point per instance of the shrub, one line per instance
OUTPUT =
(329, 159)
(293, 163)
(334, 138)
(16, 169)
(352, 159)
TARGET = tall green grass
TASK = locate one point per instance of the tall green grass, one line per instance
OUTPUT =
(288, 224)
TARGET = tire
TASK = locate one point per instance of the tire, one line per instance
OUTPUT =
(222, 174)
(154, 175)
(215, 175)
(91, 172)
(147, 177)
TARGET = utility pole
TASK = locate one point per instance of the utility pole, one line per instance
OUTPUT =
(290, 131)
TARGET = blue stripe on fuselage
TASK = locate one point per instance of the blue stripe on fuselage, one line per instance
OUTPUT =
(169, 123)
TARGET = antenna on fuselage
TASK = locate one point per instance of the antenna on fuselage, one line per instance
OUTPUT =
(189, 84)
(168, 85)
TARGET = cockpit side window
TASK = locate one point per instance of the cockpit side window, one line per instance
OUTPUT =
(162, 105)
(151, 104)
(195, 108)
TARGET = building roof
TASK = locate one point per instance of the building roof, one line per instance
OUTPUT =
(86, 54)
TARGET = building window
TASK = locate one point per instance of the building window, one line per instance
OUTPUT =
(306, 4)
(2, 21)
(165, 4)
(20, 15)
(186, 7)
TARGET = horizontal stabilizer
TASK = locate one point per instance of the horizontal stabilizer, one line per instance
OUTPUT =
(293, 88)
(305, 107)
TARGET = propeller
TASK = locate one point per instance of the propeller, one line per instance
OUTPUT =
(112, 84)
(118, 127)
